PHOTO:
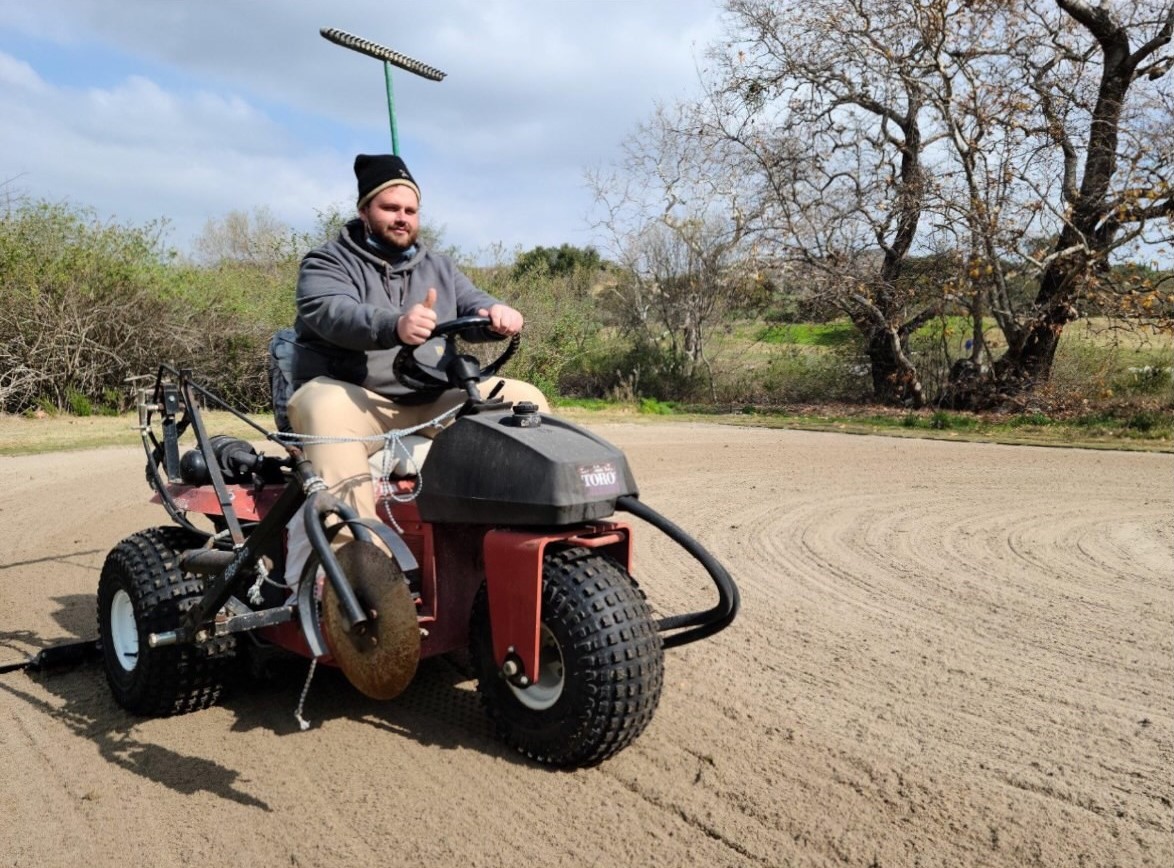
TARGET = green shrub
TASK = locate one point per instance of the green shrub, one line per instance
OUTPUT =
(627, 371)
(1144, 421)
(944, 421)
(794, 375)
(1150, 379)
(78, 404)
(1033, 418)
(562, 327)
(656, 408)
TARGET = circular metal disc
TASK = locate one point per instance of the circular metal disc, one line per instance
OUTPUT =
(382, 661)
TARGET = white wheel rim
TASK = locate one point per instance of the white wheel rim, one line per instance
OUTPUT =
(124, 631)
(548, 687)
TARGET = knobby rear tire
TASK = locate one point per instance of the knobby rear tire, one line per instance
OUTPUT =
(142, 590)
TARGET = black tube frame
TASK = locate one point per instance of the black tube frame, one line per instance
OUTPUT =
(303, 487)
(694, 625)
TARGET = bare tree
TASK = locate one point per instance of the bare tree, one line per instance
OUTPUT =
(676, 224)
(1057, 159)
(1098, 93)
(825, 104)
(1023, 137)
(241, 238)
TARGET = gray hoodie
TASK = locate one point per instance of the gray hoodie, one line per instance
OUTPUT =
(349, 301)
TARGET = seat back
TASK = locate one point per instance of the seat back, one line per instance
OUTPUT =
(281, 349)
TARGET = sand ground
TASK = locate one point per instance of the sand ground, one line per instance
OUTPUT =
(948, 654)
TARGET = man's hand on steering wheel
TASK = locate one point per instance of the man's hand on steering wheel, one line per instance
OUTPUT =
(416, 326)
(503, 319)
(445, 366)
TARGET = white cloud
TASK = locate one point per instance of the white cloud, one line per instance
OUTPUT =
(204, 108)
(20, 76)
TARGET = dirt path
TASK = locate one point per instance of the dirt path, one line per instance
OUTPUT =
(949, 654)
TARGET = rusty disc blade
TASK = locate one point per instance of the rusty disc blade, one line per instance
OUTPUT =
(381, 661)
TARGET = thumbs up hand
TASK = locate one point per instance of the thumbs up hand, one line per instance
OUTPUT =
(416, 326)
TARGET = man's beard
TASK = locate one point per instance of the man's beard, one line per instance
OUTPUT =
(390, 241)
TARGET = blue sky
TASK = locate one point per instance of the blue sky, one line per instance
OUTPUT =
(144, 109)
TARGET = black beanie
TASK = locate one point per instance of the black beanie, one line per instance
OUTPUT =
(376, 173)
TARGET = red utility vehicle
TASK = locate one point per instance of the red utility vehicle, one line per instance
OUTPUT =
(504, 540)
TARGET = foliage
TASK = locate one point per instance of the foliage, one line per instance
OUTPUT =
(562, 328)
(1020, 148)
(563, 260)
(86, 304)
(675, 227)
(624, 370)
(75, 299)
(256, 239)
(793, 374)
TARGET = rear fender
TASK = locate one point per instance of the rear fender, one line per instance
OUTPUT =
(249, 502)
(513, 579)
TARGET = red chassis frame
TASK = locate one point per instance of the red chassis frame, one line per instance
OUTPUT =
(509, 561)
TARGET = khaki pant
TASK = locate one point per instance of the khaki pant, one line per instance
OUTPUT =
(332, 408)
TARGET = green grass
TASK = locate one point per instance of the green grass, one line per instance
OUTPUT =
(833, 334)
(561, 404)
(61, 432)
(1128, 429)
(1123, 428)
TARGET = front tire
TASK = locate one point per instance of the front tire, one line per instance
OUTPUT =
(600, 670)
(142, 590)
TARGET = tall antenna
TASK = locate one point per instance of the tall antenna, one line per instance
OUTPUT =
(390, 58)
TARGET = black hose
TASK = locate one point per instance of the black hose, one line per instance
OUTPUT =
(694, 625)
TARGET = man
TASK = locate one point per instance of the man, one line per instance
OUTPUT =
(361, 299)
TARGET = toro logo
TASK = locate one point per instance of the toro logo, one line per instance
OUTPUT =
(600, 478)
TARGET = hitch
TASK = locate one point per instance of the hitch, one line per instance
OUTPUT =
(56, 657)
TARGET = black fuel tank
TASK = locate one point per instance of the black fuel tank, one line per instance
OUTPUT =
(521, 468)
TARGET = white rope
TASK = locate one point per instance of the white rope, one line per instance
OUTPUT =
(393, 448)
(304, 724)
(388, 437)
(262, 577)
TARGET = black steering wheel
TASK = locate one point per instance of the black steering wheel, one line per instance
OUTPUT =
(434, 367)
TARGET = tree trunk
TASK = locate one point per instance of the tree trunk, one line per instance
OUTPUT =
(1028, 363)
(894, 378)
(1087, 238)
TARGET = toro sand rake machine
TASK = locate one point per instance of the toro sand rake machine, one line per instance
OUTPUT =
(502, 539)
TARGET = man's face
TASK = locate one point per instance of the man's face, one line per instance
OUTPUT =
(393, 216)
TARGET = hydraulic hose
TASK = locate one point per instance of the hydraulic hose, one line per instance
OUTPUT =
(694, 625)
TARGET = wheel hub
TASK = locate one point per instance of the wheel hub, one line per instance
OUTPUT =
(124, 631)
(545, 690)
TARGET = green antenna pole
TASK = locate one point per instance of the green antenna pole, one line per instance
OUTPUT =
(390, 58)
(391, 108)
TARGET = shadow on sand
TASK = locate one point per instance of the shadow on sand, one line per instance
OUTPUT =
(439, 709)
